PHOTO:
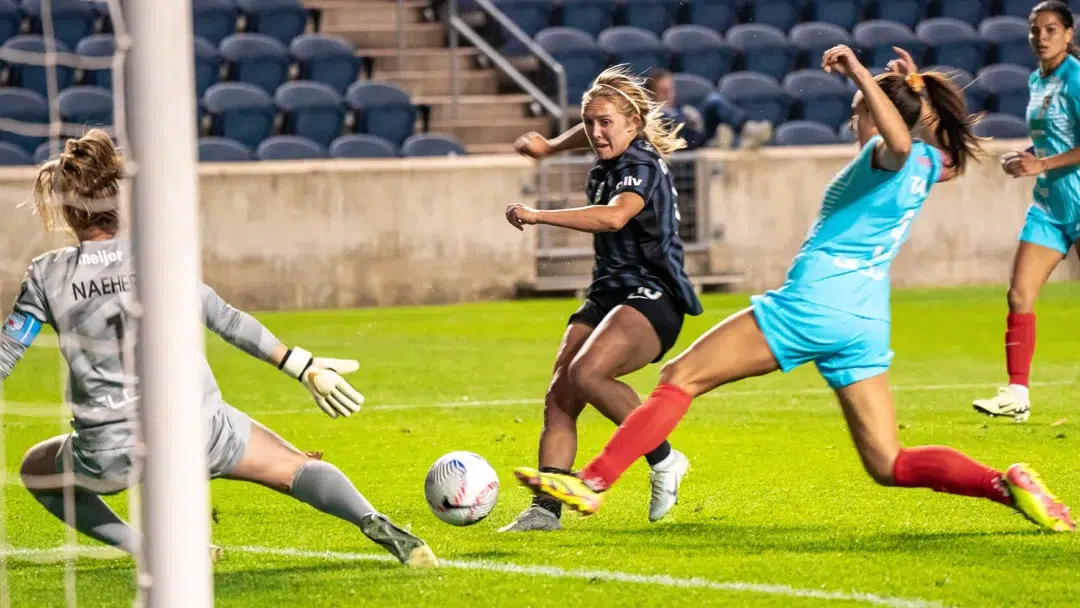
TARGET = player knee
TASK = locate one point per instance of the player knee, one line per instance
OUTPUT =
(583, 373)
(1021, 299)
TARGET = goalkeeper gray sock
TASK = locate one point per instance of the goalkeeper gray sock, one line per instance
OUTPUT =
(93, 518)
(323, 486)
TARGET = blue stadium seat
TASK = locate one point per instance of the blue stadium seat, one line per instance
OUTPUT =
(763, 48)
(312, 109)
(72, 20)
(45, 151)
(905, 12)
(812, 39)
(10, 20)
(360, 145)
(27, 106)
(781, 14)
(326, 59)
(289, 147)
(1010, 38)
(240, 111)
(530, 16)
(953, 42)
(639, 48)
(691, 89)
(1008, 88)
(282, 20)
(696, 49)
(759, 95)
(653, 15)
(842, 13)
(33, 76)
(974, 94)
(1016, 8)
(223, 150)
(384, 110)
(589, 16)
(1002, 126)
(214, 19)
(875, 38)
(432, 144)
(971, 12)
(97, 45)
(12, 155)
(819, 97)
(207, 65)
(846, 134)
(717, 15)
(579, 55)
(805, 133)
(86, 105)
(256, 59)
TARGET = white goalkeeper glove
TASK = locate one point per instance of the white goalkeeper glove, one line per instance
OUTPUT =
(321, 377)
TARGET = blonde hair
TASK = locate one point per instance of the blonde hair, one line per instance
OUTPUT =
(81, 186)
(629, 95)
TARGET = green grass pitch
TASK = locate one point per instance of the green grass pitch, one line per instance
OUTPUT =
(776, 510)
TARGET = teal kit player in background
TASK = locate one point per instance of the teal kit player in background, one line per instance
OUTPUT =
(833, 309)
(1053, 219)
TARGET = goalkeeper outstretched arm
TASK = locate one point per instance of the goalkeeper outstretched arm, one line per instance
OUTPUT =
(321, 376)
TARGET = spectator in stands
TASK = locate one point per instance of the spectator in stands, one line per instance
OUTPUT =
(721, 119)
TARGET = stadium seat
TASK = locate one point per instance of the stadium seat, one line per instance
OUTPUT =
(846, 135)
(953, 42)
(72, 20)
(696, 49)
(10, 20)
(214, 19)
(579, 55)
(207, 65)
(589, 16)
(530, 16)
(717, 15)
(971, 12)
(653, 15)
(256, 59)
(805, 133)
(905, 12)
(432, 144)
(282, 20)
(289, 147)
(240, 111)
(875, 38)
(222, 150)
(1007, 86)
(639, 48)
(97, 45)
(1009, 36)
(691, 89)
(759, 95)
(1001, 126)
(781, 14)
(26, 106)
(1016, 8)
(383, 109)
(842, 13)
(45, 151)
(312, 109)
(975, 95)
(812, 39)
(818, 97)
(361, 145)
(764, 49)
(13, 155)
(33, 76)
(326, 59)
(86, 105)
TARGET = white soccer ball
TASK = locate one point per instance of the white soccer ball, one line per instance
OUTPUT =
(461, 488)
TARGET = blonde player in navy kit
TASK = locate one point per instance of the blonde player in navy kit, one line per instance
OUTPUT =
(85, 293)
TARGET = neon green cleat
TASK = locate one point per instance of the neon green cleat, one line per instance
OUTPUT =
(1034, 501)
(567, 489)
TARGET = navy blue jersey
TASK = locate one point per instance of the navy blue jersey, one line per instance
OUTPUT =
(647, 251)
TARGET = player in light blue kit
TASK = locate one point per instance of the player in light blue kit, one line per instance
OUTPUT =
(833, 309)
(1053, 219)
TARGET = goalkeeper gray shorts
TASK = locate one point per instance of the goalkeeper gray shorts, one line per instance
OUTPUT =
(108, 471)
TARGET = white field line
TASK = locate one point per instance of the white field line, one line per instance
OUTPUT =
(59, 554)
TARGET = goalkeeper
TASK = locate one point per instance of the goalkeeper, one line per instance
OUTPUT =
(85, 293)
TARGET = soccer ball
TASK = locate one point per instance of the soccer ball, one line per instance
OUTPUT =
(461, 488)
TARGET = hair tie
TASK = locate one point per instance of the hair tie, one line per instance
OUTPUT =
(915, 82)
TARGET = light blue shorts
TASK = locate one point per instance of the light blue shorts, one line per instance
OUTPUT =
(845, 348)
(1042, 228)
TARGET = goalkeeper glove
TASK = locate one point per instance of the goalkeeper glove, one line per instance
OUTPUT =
(320, 376)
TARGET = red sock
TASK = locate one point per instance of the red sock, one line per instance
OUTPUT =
(1019, 346)
(642, 432)
(944, 469)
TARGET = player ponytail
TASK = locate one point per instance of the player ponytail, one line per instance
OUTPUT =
(81, 185)
(631, 97)
(1064, 14)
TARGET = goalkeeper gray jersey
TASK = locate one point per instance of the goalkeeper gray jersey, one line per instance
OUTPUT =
(86, 293)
